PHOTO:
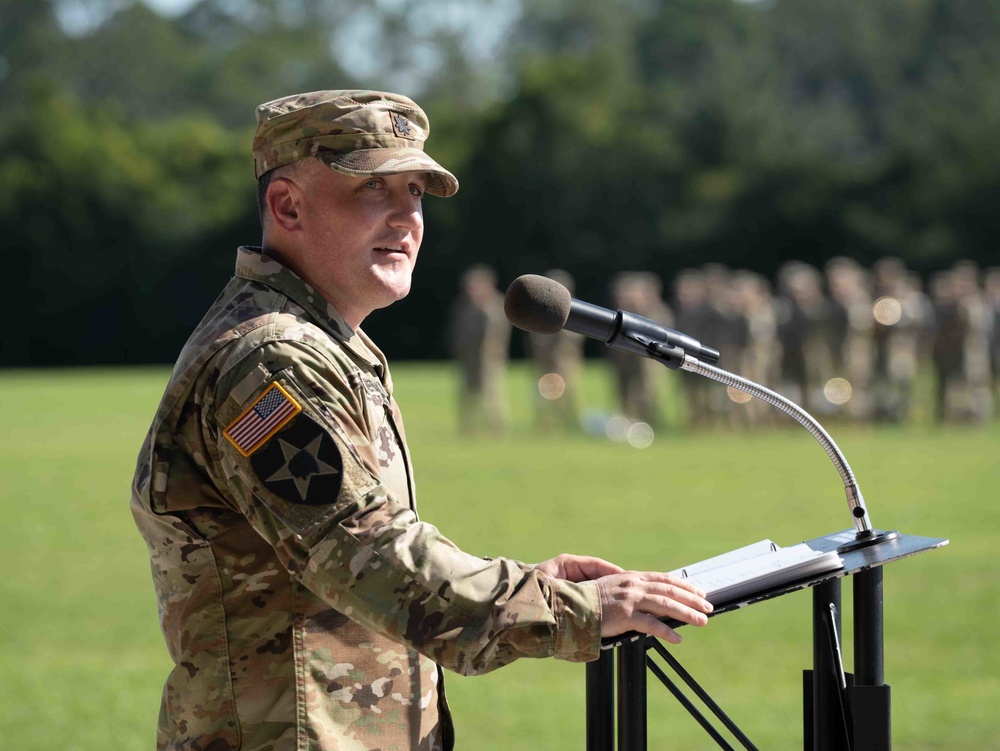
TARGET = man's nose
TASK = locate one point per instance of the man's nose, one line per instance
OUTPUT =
(407, 212)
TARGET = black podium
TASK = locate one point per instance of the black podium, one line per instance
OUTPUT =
(841, 712)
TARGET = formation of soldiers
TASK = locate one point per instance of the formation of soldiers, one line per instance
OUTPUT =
(845, 342)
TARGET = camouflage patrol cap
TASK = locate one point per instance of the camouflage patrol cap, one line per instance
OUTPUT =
(354, 132)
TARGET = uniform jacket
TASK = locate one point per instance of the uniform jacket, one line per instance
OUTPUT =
(303, 603)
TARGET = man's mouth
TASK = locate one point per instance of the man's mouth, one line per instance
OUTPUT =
(391, 249)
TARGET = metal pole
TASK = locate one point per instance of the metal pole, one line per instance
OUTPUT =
(869, 652)
(601, 703)
(632, 696)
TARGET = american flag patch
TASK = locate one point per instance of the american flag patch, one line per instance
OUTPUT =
(262, 419)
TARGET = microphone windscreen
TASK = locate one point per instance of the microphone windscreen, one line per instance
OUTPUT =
(537, 304)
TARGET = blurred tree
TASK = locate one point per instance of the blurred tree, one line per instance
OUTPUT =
(593, 135)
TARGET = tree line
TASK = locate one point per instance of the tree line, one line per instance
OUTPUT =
(590, 135)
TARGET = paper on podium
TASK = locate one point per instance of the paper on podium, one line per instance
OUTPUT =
(755, 568)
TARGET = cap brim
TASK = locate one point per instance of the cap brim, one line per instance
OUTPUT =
(363, 162)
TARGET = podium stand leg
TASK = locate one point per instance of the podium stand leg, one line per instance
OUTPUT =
(600, 703)
(631, 660)
(869, 653)
(870, 697)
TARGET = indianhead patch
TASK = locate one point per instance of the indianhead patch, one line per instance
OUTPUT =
(301, 464)
(262, 419)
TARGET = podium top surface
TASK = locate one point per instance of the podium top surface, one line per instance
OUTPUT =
(855, 561)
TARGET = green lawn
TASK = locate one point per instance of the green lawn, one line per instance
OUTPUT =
(82, 660)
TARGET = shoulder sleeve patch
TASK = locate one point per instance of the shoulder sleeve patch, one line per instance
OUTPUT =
(301, 464)
(262, 419)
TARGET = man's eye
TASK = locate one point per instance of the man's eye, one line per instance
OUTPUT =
(372, 184)
(416, 190)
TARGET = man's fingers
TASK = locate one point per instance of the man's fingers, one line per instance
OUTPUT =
(655, 627)
(578, 568)
(664, 578)
(666, 607)
(588, 568)
(660, 594)
(633, 601)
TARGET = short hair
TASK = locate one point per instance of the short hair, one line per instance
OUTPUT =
(264, 182)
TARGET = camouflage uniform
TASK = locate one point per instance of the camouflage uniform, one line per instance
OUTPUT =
(638, 379)
(755, 305)
(480, 342)
(558, 361)
(992, 290)
(803, 325)
(903, 315)
(303, 603)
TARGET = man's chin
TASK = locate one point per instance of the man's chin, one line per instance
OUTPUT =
(393, 288)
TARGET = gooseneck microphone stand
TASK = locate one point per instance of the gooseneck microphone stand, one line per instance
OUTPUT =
(841, 711)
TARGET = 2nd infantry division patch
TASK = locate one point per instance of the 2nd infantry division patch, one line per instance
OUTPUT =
(262, 419)
(301, 464)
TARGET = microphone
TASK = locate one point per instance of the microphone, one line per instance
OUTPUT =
(543, 306)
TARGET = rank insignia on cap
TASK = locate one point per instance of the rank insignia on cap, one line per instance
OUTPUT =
(262, 419)
(402, 126)
(301, 465)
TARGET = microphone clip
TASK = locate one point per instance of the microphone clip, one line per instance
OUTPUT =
(672, 357)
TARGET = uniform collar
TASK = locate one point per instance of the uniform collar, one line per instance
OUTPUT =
(253, 265)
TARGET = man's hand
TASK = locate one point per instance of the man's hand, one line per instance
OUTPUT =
(578, 568)
(634, 600)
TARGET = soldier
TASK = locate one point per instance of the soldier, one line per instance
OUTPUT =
(638, 379)
(803, 323)
(991, 287)
(902, 316)
(948, 338)
(480, 341)
(726, 330)
(693, 317)
(851, 338)
(558, 361)
(754, 304)
(977, 316)
(303, 603)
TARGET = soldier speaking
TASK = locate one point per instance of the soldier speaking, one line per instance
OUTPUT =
(304, 604)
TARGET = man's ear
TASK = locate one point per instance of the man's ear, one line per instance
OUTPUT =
(283, 204)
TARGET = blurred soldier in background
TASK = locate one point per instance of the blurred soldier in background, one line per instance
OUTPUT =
(726, 331)
(754, 304)
(693, 319)
(976, 402)
(946, 350)
(902, 317)
(850, 333)
(638, 378)
(480, 343)
(558, 361)
(803, 320)
(992, 291)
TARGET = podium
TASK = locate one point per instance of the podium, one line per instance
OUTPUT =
(841, 712)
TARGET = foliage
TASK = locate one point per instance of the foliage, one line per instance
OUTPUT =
(590, 135)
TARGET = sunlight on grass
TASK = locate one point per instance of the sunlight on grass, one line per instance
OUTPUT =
(83, 662)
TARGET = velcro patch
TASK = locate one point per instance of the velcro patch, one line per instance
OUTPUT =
(301, 465)
(262, 419)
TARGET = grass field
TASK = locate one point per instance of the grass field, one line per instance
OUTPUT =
(82, 661)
